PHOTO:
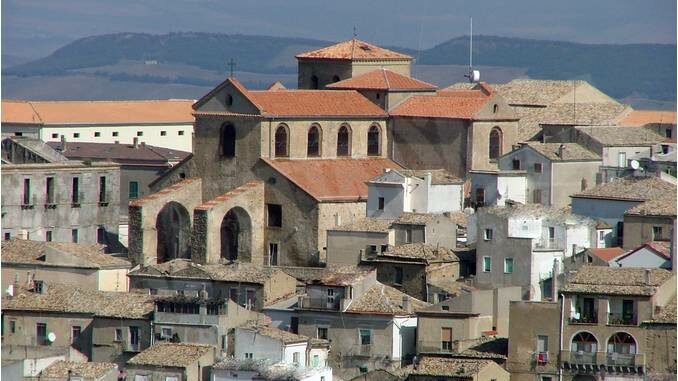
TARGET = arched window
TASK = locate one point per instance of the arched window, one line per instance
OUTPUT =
(584, 342)
(344, 141)
(281, 143)
(495, 143)
(621, 342)
(227, 140)
(373, 143)
(314, 82)
(313, 143)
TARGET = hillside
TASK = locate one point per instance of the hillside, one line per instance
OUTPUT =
(643, 72)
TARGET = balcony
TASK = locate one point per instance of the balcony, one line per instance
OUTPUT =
(319, 303)
(622, 359)
(185, 319)
(583, 358)
(621, 319)
(549, 244)
(578, 318)
(365, 349)
(131, 347)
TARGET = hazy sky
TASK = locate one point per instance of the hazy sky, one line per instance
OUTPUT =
(36, 27)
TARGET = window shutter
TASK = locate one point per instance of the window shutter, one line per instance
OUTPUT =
(446, 334)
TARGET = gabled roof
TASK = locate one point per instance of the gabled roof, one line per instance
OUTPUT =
(386, 300)
(121, 153)
(274, 333)
(418, 252)
(457, 368)
(98, 112)
(37, 146)
(616, 280)
(642, 117)
(233, 272)
(164, 354)
(354, 50)
(662, 206)
(630, 189)
(619, 136)
(438, 176)
(341, 179)
(382, 79)
(331, 275)
(570, 151)
(447, 104)
(661, 248)
(89, 370)
(39, 253)
(538, 92)
(365, 224)
(606, 254)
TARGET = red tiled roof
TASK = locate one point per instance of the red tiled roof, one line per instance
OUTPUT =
(608, 253)
(315, 103)
(643, 117)
(98, 112)
(382, 79)
(450, 104)
(354, 50)
(332, 179)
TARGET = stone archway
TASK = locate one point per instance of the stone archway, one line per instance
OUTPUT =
(173, 227)
(236, 235)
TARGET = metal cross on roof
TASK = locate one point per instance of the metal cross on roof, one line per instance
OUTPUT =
(231, 66)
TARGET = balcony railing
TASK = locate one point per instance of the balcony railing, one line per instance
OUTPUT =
(584, 319)
(131, 347)
(320, 303)
(583, 357)
(621, 319)
(623, 359)
(366, 349)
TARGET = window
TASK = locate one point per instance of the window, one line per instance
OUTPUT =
(233, 294)
(118, 335)
(18, 134)
(295, 358)
(76, 135)
(140, 377)
(552, 233)
(384, 248)
(75, 333)
(516, 164)
(97, 134)
(408, 235)
(251, 296)
(373, 143)
(365, 336)
(314, 82)
(620, 233)
(538, 167)
(249, 355)
(668, 133)
(181, 133)
(166, 332)
(488, 234)
(12, 326)
(74, 235)
(622, 159)
(508, 265)
(227, 140)
(8, 236)
(163, 133)
(656, 233)
(171, 378)
(102, 189)
(134, 335)
(536, 196)
(322, 333)
(313, 143)
(487, 264)
(584, 184)
(75, 191)
(49, 190)
(495, 108)
(229, 100)
(274, 212)
(55, 136)
(140, 133)
(316, 363)
(621, 342)
(48, 236)
(281, 141)
(114, 133)
(272, 254)
(38, 286)
(446, 339)
(381, 203)
(101, 235)
(480, 197)
(344, 141)
(584, 342)
(41, 333)
(398, 275)
(27, 192)
(495, 143)
(133, 190)
(542, 344)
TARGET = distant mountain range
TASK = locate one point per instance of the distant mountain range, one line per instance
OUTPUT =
(638, 71)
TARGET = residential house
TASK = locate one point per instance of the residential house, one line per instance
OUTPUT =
(594, 256)
(27, 361)
(609, 202)
(650, 255)
(246, 284)
(47, 197)
(85, 371)
(662, 122)
(411, 267)
(517, 245)
(167, 123)
(651, 220)
(233, 369)
(347, 59)
(397, 191)
(442, 368)
(537, 173)
(105, 326)
(347, 243)
(85, 266)
(172, 361)
(455, 129)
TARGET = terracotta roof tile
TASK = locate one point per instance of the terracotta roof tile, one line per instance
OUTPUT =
(632, 188)
(616, 280)
(382, 79)
(365, 224)
(449, 367)
(383, 299)
(293, 103)
(664, 205)
(355, 50)
(90, 370)
(608, 253)
(419, 251)
(171, 354)
(622, 136)
(19, 251)
(570, 151)
(284, 336)
(233, 272)
(100, 112)
(642, 117)
(450, 104)
(337, 275)
(332, 179)
(19, 112)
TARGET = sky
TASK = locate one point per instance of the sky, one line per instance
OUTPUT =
(34, 28)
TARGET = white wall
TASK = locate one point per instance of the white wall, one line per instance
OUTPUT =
(290, 349)
(394, 200)
(643, 258)
(511, 188)
(398, 324)
(261, 347)
(524, 227)
(445, 198)
(541, 267)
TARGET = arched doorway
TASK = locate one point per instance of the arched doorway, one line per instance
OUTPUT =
(236, 235)
(173, 228)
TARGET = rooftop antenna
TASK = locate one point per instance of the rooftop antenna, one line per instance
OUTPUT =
(355, 31)
(231, 66)
(473, 75)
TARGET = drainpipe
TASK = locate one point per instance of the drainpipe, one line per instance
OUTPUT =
(560, 337)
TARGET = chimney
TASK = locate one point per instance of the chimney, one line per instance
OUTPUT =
(387, 170)
(63, 143)
(117, 142)
(407, 306)
(560, 150)
(143, 144)
(135, 142)
(554, 279)
(647, 276)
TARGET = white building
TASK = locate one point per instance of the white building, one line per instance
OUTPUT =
(252, 370)
(650, 255)
(418, 191)
(162, 123)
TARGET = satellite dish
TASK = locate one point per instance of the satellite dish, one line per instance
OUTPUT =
(51, 337)
(635, 164)
(474, 76)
